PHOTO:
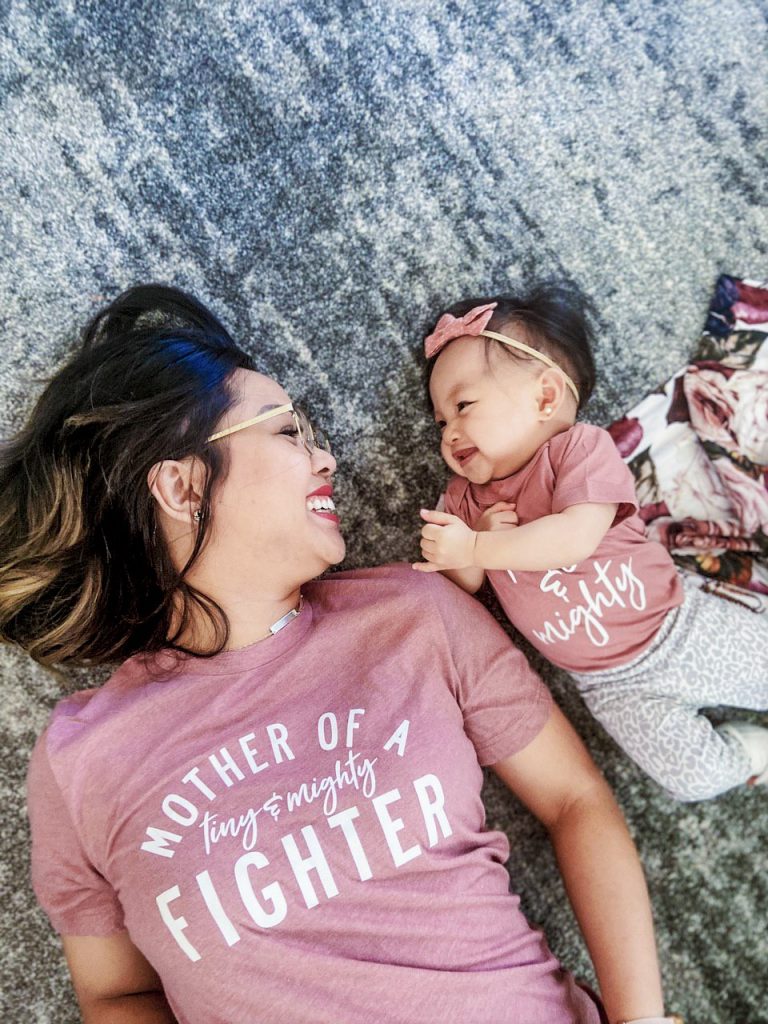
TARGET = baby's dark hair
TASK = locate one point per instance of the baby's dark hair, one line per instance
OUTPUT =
(553, 317)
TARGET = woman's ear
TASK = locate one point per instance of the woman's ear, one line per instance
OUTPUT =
(177, 486)
(551, 392)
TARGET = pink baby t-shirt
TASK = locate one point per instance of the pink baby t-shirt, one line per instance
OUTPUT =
(294, 832)
(603, 611)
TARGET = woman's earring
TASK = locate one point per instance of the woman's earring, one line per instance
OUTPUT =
(197, 515)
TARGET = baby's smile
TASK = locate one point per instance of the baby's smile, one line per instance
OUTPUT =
(463, 455)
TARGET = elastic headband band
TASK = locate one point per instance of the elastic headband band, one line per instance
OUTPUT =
(514, 343)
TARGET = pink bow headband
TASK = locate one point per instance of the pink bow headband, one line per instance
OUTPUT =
(473, 325)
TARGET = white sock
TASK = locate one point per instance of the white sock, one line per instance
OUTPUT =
(754, 740)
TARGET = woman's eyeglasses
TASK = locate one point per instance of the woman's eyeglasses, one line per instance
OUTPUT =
(311, 437)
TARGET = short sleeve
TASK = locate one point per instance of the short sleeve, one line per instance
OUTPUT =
(588, 468)
(77, 899)
(504, 702)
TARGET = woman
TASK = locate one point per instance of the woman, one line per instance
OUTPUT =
(271, 811)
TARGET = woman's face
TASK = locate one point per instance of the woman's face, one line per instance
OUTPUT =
(264, 528)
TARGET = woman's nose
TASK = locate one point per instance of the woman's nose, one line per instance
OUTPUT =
(323, 462)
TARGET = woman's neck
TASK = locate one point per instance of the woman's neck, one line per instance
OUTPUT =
(251, 619)
(260, 620)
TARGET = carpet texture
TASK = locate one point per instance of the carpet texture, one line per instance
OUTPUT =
(325, 175)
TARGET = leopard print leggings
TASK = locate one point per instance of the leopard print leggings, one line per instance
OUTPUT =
(710, 651)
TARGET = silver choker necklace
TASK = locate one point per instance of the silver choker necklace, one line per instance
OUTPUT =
(281, 623)
(285, 619)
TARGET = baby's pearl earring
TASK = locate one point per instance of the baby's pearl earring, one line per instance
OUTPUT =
(547, 410)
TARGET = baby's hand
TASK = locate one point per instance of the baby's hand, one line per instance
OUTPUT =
(446, 542)
(501, 516)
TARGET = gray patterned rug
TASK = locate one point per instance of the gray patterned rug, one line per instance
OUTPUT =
(325, 175)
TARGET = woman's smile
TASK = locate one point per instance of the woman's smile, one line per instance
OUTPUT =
(321, 503)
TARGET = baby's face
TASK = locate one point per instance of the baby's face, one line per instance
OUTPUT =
(489, 411)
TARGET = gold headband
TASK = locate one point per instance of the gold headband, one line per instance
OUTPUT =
(513, 343)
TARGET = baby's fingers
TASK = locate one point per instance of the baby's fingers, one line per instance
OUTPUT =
(439, 518)
(425, 567)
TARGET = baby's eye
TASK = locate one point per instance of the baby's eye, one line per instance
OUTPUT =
(463, 405)
(440, 424)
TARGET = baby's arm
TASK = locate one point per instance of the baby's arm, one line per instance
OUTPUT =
(560, 539)
(501, 516)
(470, 579)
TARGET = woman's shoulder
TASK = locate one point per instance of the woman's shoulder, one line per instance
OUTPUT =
(373, 579)
(396, 605)
(377, 587)
(75, 713)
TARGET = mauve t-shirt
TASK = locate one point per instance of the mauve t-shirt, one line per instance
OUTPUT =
(603, 611)
(294, 832)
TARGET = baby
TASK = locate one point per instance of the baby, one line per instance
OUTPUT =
(547, 509)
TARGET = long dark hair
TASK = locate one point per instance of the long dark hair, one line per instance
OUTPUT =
(555, 316)
(85, 576)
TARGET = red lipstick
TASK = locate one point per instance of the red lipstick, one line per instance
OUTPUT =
(326, 491)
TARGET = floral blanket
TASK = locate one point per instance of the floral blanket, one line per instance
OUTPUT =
(698, 448)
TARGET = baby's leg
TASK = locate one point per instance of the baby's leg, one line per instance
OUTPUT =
(726, 651)
(671, 741)
(710, 652)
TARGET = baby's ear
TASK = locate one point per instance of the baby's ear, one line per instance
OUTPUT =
(552, 391)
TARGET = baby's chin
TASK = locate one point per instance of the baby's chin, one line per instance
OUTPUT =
(475, 474)
(487, 474)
